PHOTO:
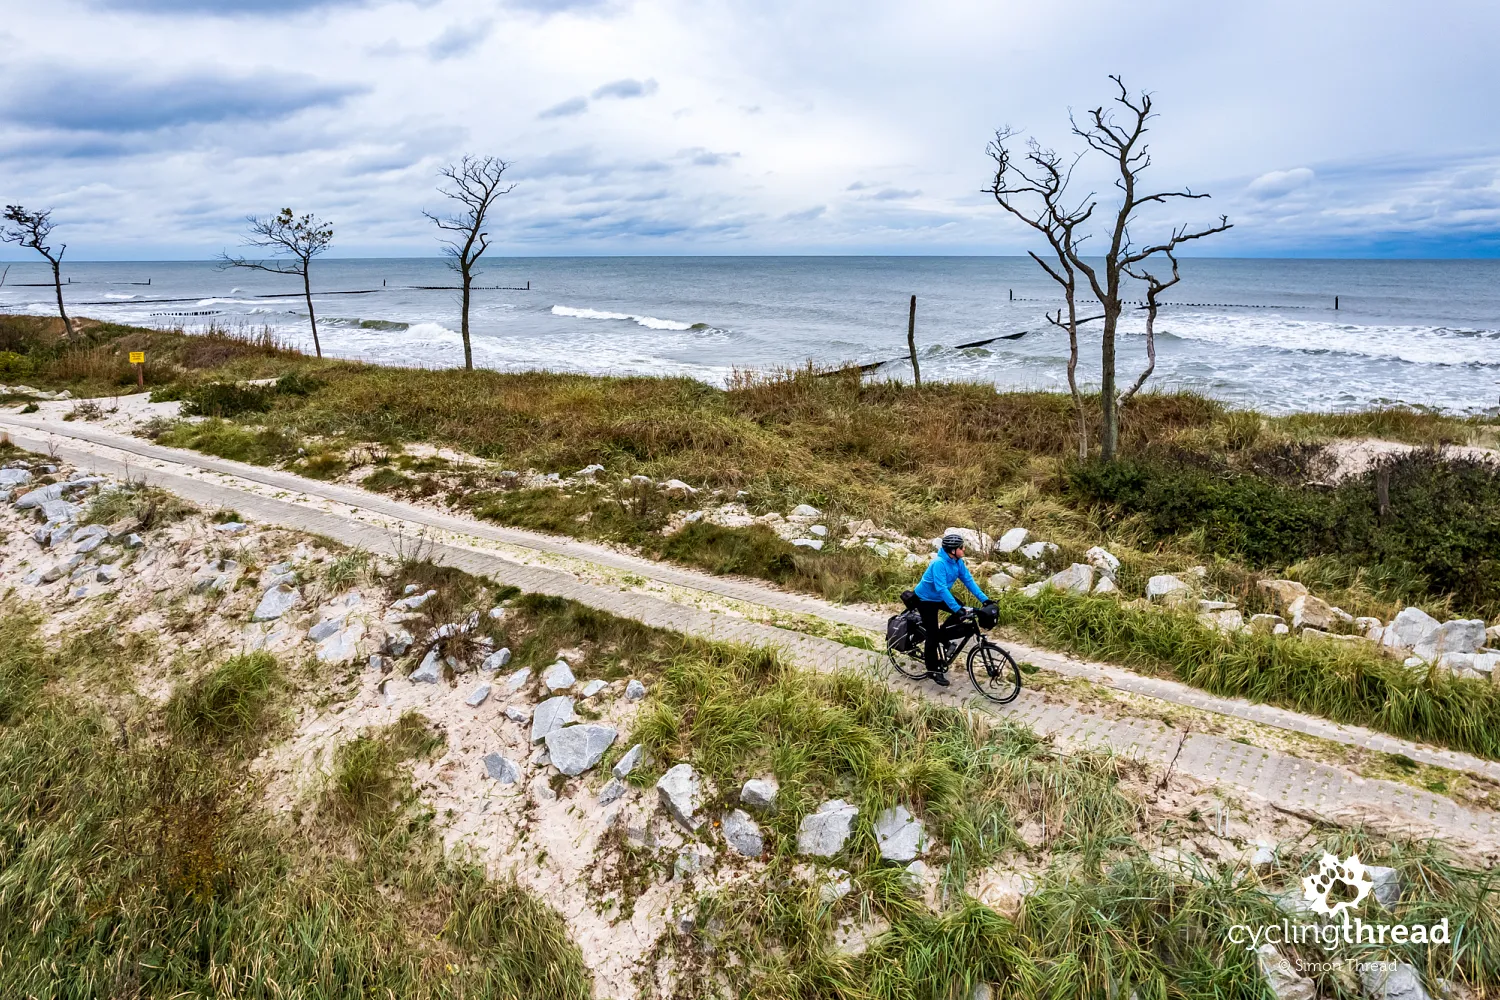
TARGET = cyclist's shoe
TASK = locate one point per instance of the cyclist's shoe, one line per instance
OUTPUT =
(939, 677)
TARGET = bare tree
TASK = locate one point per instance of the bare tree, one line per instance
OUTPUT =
(475, 186)
(31, 230)
(293, 241)
(1123, 143)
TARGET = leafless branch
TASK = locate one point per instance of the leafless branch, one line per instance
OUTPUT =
(33, 230)
(474, 184)
(293, 242)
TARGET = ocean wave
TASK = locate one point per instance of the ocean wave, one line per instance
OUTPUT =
(1417, 345)
(390, 325)
(649, 322)
(122, 296)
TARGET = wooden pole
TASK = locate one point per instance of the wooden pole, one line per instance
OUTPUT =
(1335, 303)
(140, 376)
(911, 342)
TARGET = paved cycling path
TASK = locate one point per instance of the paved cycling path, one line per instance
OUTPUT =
(561, 568)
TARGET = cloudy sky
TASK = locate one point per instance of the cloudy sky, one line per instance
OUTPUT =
(152, 127)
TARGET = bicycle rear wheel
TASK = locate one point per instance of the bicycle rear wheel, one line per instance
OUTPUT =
(994, 673)
(907, 664)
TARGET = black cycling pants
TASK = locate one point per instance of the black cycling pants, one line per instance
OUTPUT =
(953, 629)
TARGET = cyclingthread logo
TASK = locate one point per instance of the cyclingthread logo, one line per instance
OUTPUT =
(1350, 872)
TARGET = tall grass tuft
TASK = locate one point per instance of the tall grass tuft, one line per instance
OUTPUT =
(227, 703)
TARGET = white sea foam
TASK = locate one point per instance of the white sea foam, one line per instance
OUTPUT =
(118, 295)
(1421, 345)
(649, 322)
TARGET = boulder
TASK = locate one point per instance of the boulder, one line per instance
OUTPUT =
(677, 488)
(518, 713)
(593, 687)
(1457, 636)
(629, 761)
(478, 696)
(575, 749)
(1485, 663)
(501, 769)
(824, 832)
(558, 677)
(1309, 611)
(1011, 541)
(92, 531)
(276, 602)
(1076, 579)
(816, 544)
(551, 715)
(918, 877)
(1266, 624)
(680, 790)
(760, 793)
(1000, 581)
(517, 680)
(498, 660)
(690, 861)
(635, 690)
(1391, 981)
(1282, 977)
(61, 569)
(1106, 585)
(107, 574)
(818, 531)
(743, 834)
(1283, 592)
(899, 834)
(1037, 551)
(39, 496)
(612, 791)
(57, 510)
(1166, 587)
(1370, 628)
(14, 477)
(805, 510)
(976, 543)
(1102, 560)
(429, 671)
(341, 646)
(58, 535)
(1224, 621)
(1408, 629)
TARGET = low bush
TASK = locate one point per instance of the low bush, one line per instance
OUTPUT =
(225, 399)
(367, 785)
(226, 703)
(226, 440)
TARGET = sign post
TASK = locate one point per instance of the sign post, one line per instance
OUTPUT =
(138, 358)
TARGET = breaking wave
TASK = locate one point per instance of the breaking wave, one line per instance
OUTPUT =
(649, 322)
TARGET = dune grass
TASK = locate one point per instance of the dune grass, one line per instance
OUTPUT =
(228, 702)
(1347, 682)
(366, 785)
(146, 870)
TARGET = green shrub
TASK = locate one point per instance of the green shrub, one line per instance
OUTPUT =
(298, 384)
(13, 364)
(226, 440)
(225, 704)
(225, 399)
(385, 480)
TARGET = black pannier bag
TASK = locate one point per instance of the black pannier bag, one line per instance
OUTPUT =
(989, 616)
(903, 632)
(909, 600)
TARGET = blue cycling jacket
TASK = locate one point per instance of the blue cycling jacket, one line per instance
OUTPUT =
(942, 573)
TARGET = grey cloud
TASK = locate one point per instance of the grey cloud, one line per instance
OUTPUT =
(458, 40)
(227, 8)
(625, 89)
(857, 186)
(555, 6)
(893, 194)
(701, 157)
(1280, 183)
(572, 106)
(91, 101)
(806, 215)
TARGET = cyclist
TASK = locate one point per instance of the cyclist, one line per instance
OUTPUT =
(936, 591)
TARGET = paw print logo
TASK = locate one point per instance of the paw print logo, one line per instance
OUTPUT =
(1337, 885)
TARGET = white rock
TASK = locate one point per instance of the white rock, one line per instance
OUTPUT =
(1285, 981)
(502, 769)
(1000, 581)
(1387, 890)
(823, 833)
(429, 671)
(760, 793)
(612, 791)
(677, 488)
(61, 569)
(107, 574)
(976, 543)
(57, 510)
(1485, 663)
(231, 527)
(1011, 541)
(341, 646)
(478, 696)
(818, 531)
(1102, 560)
(816, 544)
(133, 541)
(1036, 551)
(517, 680)
(550, 715)
(85, 534)
(517, 713)
(276, 602)
(805, 510)
(413, 602)
(1160, 587)
(919, 877)
(498, 660)
(743, 834)
(629, 761)
(1398, 981)
(39, 496)
(680, 790)
(1106, 585)
(635, 690)
(1408, 628)
(593, 687)
(575, 749)
(836, 886)
(558, 677)
(899, 834)
(1370, 628)
(690, 862)
(1457, 636)
(1076, 579)
(14, 477)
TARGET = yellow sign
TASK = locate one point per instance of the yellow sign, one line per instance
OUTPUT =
(137, 357)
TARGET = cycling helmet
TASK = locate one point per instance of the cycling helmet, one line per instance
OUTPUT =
(953, 541)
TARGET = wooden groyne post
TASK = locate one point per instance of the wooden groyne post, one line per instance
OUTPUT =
(911, 342)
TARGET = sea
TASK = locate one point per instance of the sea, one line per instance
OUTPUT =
(1276, 335)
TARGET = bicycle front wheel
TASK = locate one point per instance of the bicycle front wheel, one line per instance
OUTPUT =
(994, 673)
